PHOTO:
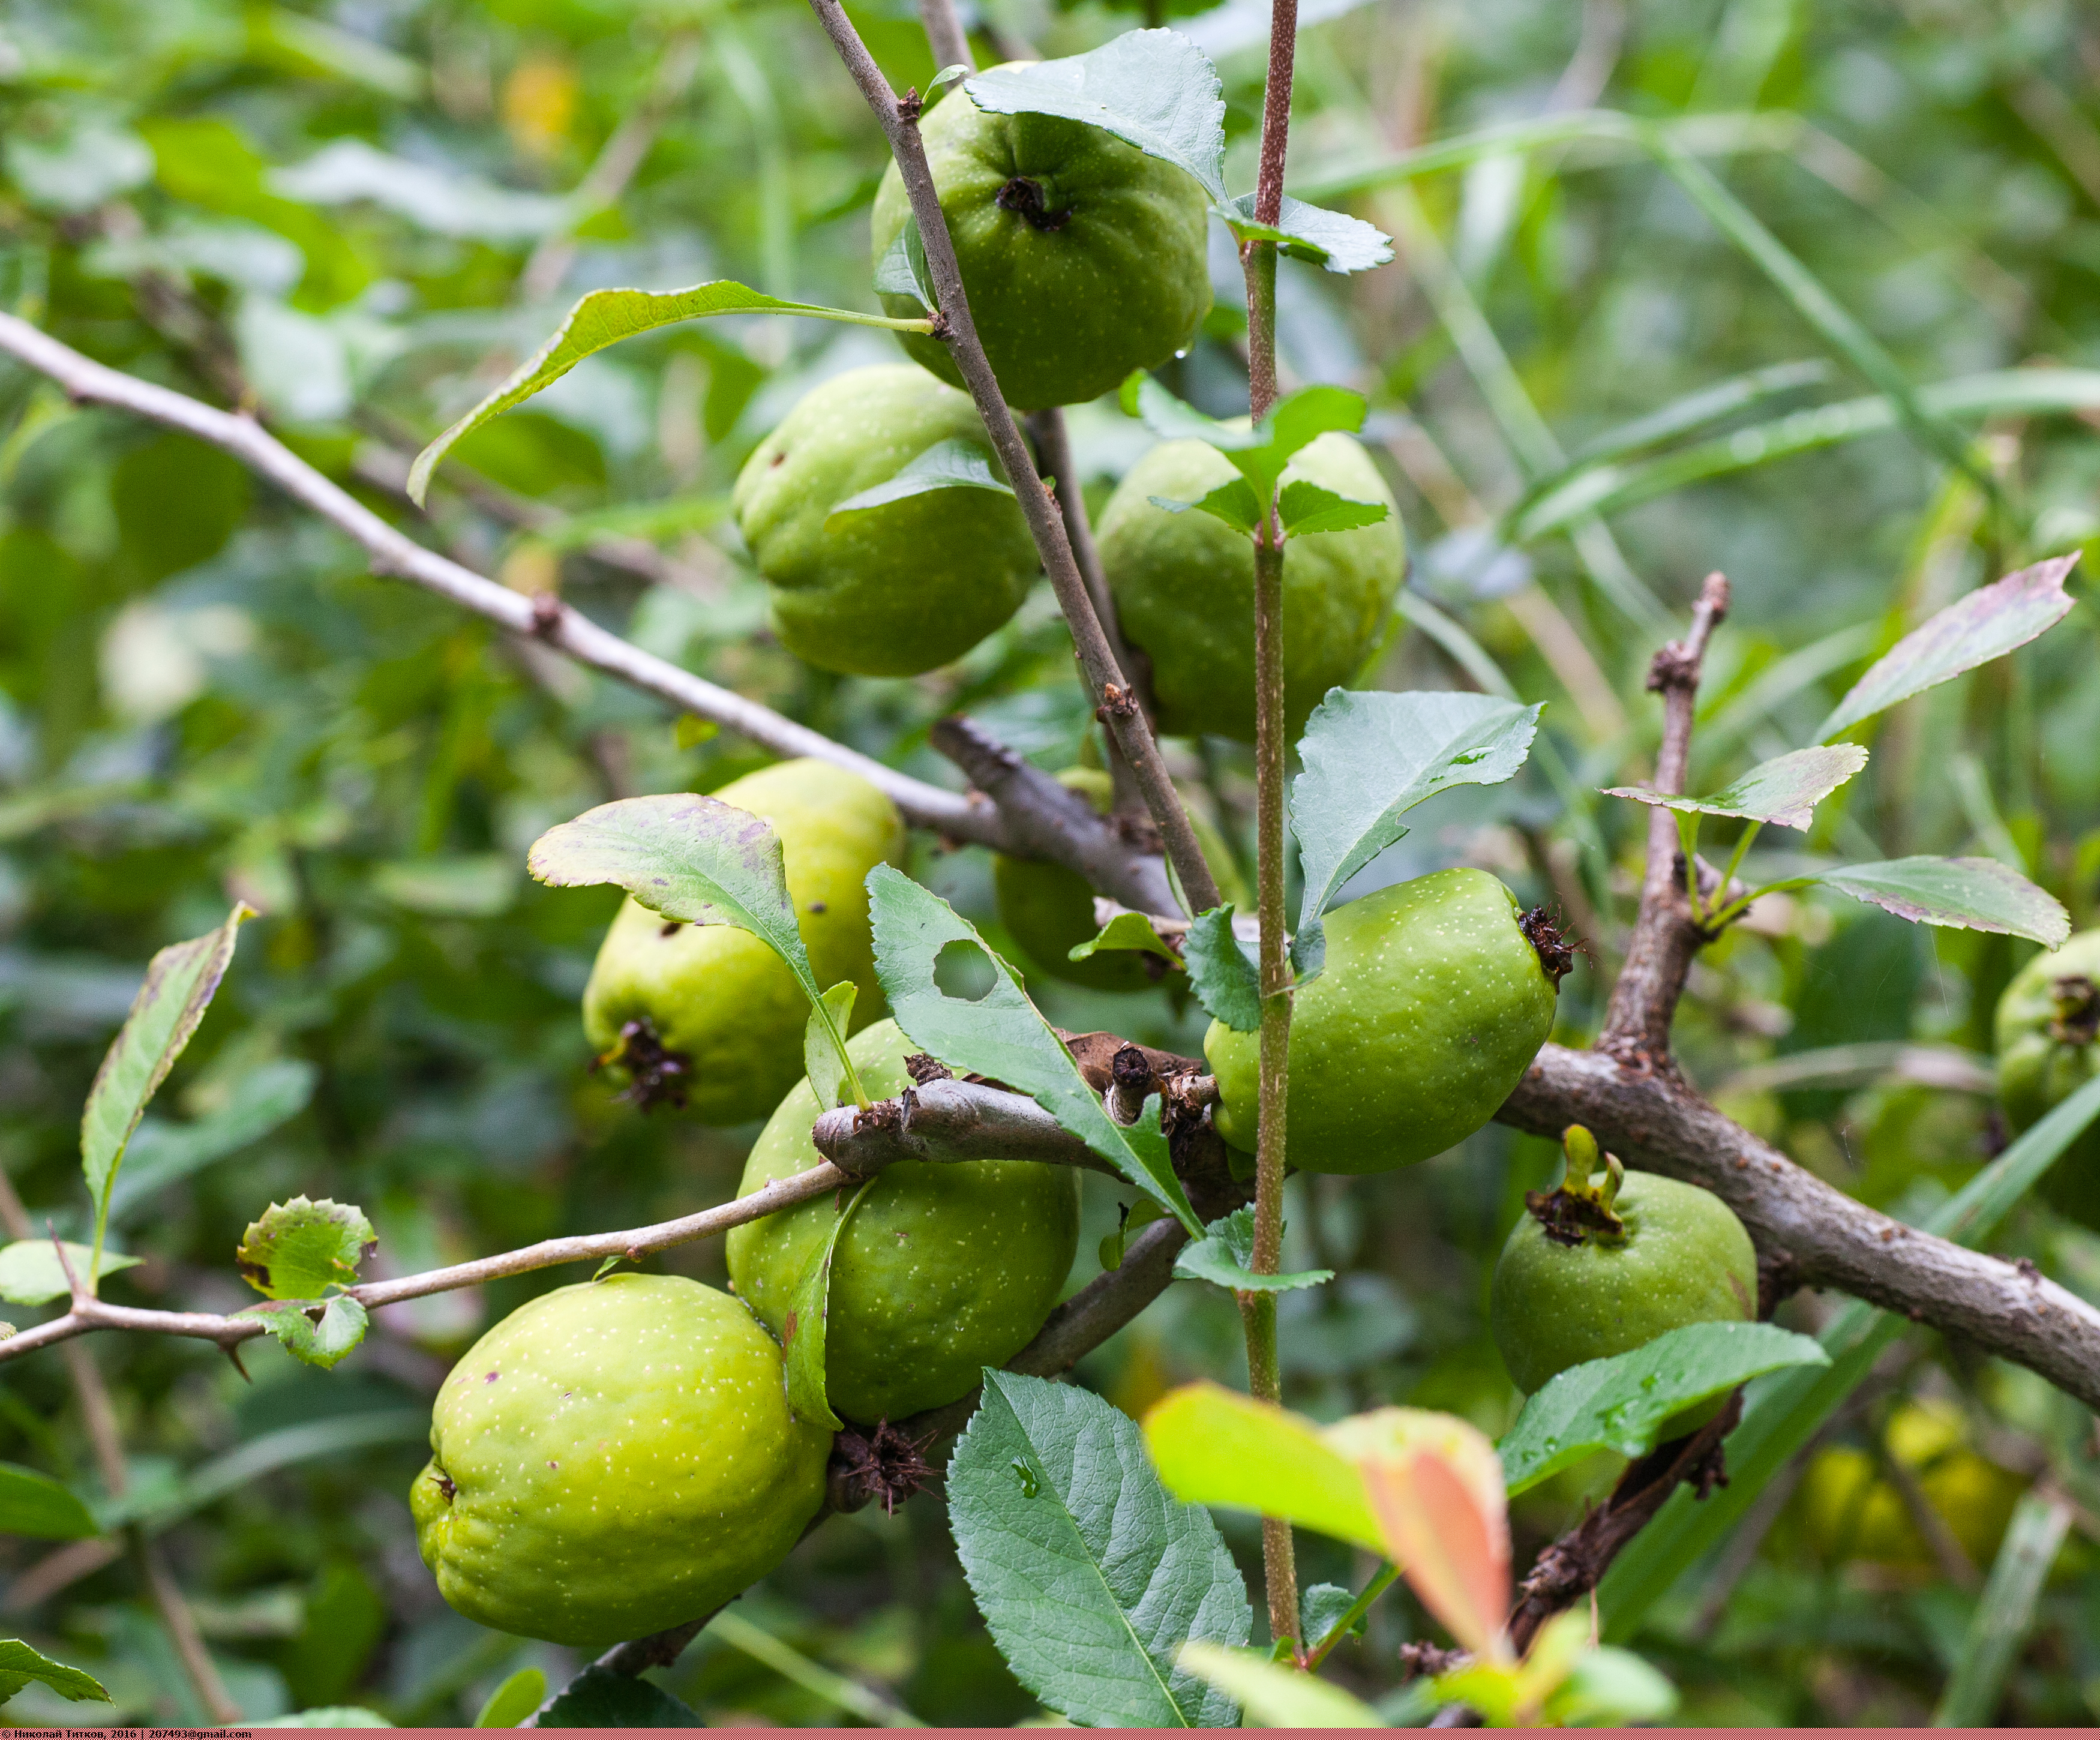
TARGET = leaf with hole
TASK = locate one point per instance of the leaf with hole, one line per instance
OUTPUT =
(953, 464)
(1224, 1256)
(1001, 1035)
(299, 1249)
(1987, 624)
(1332, 240)
(1960, 894)
(603, 319)
(1618, 1403)
(325, 1339)
(34, 1504)
(1785, 790)
(1090, 1575)
(180, 983)
(32, 1274)
(1221, 972)
(1153, 89)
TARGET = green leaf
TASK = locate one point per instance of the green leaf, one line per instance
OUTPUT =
(1260, 451)
(1224, 1254)
(518, 1696)
(1153, 89)
(323, 1340)
(1961, 893)
(1306, 508)
(802, 1336)
(1985, 625)
(1610, 1688)
(1618, 1403)
(35, 1504)
(1274, 1696)
(32, 1274)
(1783, 1411)
(902, 270)
(20, 1664)
(599, 1697)
(1323, 1607)
(603, 319)
(1133, 1221)
(300, 1249)
(1369, 758)
(2006, 1614)
(180, 982)
(953, 464)
(695, 859)
(1214, 1446)
(1129, 932)
(1785, 790)
(328, 1715)
(1001, 1035)
(1090, 1575)
(825, 1064)
(1235, 503)
(1224, 977)
(1332, 240)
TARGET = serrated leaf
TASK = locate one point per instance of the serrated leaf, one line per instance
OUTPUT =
(518, 1696)
(603, 319)
(802, 1334)
(1960, 894)
(20, 1664)
(1369, 758)
(1274, 1696)
(1332, 240)
(1130, 933)
(32, 1274)
(180, 983)
(1321, 1608)
(823, 1062)
(1306, 508)
(323, 1342)
(300, 1249)
(599, 1697)
(1001, 1035)
(1153, 89)
(1225, 978)
(1214, 1446)
(1987, 624)
(1259, 452)
(693, 858)
(1224, 1255)
(1618, 1403)
(33, 1503)
(953, 464)
(1235, 503)
(902, 270)
(1785, 790)
(1089, 1575)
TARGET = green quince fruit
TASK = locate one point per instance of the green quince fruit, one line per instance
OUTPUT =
(1851, 1509)
(707, 1016)
(1082, 258)
(2049, 1047)
(1600, 1267)
(1183, 585)
(887, 591)
(943, 1270)
(613, 1458)
(1435, 997)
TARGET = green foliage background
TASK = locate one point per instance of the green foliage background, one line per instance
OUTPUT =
(325, 212)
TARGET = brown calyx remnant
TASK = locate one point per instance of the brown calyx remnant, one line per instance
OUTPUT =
(656, 1075)
(446, 1487)
(922, 1066)
(1024, 196)
(1573, 1218)
(884, 1465)
(2077, 1018)
(1549, 941)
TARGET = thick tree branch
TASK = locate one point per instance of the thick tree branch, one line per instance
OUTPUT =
(948, 1120)
(1116, 701)
(1665, 934)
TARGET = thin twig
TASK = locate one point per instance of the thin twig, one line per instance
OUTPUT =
(945, 35)
(1116, 702)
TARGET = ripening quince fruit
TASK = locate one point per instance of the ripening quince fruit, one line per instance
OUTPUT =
(887, 591)
(2048, 1046)
(1183, 585)
(1851, 1509)
(613, 1458)
(943, 1268)
(707, 1016)
(1082, 258)
(1593, 1270)
(1050, 909)
(1433, 1003)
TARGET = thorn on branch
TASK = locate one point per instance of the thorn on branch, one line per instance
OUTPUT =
(547, 614)
(909, 106)
(922, 1066)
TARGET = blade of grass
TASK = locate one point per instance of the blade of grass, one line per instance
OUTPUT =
(2005, 1613)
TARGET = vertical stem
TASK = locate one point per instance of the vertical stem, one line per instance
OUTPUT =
(1258, 1311)
(945, 35)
